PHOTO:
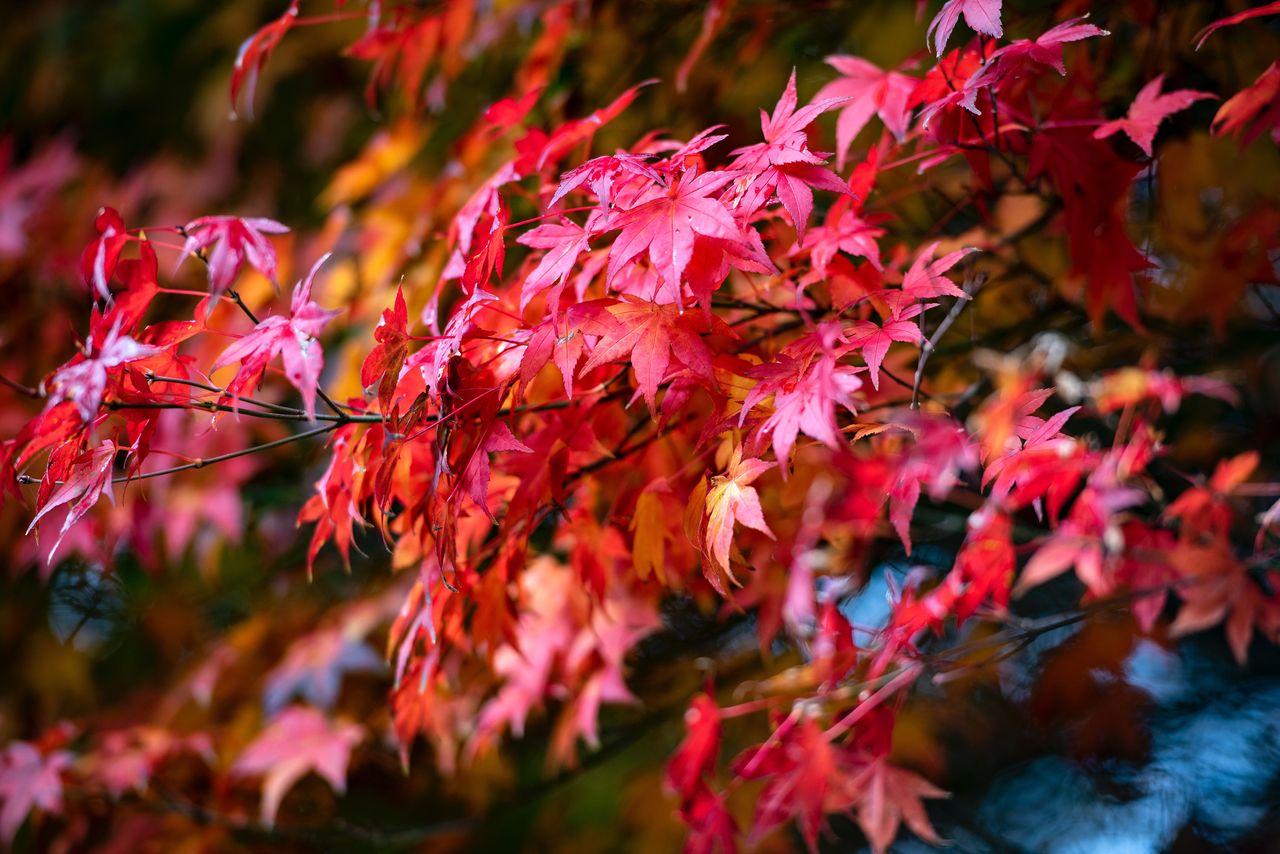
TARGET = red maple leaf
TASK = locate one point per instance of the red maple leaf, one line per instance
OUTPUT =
(985, 564)
(98, 262)
(253, 54)
(649, 334)
(334, 507)
(938, 90)
(1232, 20)
(1148, 110)
(88, 477)
(1204, 511)
(403, 51)
(549, 149)
(1086, 539)
(1220, 589)
(1254, 110)
(697, 754)
(1093, 182)
(712, 827)
(298, 740)
(545, 344)
(293, 337)
(807, 778)
(474, 482)
(383, 364)
(888, 796)
(227, 242)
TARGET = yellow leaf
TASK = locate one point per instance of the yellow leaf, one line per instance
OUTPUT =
(648, 553)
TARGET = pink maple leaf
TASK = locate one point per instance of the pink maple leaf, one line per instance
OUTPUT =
(601, 173)
(314, 667)
(228, 242)
(874, 340)
(942, 450)
(29, 779)
(869, 91)
(126, 759)
(1013, 59)
(1046, 48)
(784, 162)
(667, 222)
(806, 390)
(1148, 110)
(731, 500)
(84, 382)
(1238, 18)
(294, 338)
(563, 243)
(925, 279)
(300, 739)
(845, 230)
(982, 15)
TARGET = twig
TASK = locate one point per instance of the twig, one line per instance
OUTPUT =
(900, 680)
(213, 389)
(199, 464)
(926, 350)
(26, 391)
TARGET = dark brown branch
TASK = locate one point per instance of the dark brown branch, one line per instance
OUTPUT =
(199, 464)
(213, 389)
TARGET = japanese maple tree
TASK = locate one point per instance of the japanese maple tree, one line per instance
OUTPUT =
(565, 362)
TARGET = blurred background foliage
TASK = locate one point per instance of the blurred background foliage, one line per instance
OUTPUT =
(132, 95)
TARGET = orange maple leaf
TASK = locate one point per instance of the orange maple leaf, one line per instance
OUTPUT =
(731, 499)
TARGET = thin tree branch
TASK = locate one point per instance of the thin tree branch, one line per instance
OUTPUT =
(26, 391)
(199, 464)
(931, 343)
(213, 389)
